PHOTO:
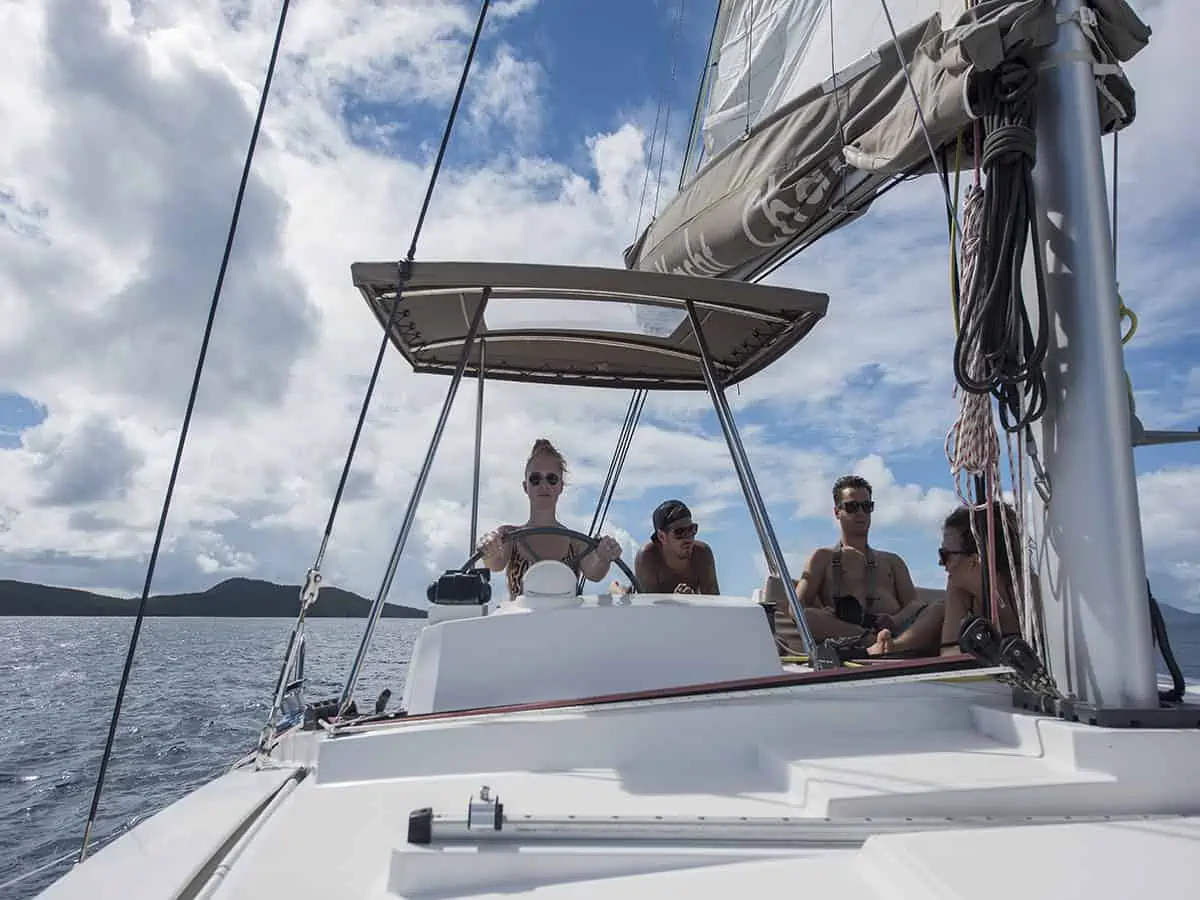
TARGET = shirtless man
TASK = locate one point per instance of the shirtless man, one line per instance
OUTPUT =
(673, 561)
(852, 590)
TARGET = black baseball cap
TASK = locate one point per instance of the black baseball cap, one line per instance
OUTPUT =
(667, 512)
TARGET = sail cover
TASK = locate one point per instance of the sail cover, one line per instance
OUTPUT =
(810, 115)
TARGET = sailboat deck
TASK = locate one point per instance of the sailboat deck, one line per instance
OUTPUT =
(922, 751)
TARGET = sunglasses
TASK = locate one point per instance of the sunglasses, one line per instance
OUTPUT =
(853, 506)
(535, 478)
(944, 554)
(683, 532)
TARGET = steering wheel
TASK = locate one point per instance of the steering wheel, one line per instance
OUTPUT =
(519, 534)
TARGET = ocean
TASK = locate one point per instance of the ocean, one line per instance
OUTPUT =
(197, 699)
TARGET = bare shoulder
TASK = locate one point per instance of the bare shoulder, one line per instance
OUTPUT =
(891, 560)
(702, 549)
(818, 560)
(645, 550)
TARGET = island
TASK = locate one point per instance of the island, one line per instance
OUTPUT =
(234, 598)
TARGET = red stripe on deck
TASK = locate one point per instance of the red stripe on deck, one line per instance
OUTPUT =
(870, 671)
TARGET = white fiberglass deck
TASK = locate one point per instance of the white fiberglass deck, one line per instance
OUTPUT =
(847, 752)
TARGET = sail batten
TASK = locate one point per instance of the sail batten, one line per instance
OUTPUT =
(807, 146)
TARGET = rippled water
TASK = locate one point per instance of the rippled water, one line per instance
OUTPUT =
(197, 699)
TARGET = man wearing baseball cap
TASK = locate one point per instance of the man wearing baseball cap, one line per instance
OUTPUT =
(673, 561)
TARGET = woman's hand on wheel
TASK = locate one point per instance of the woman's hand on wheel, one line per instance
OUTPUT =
(608, 549)
(492, 544)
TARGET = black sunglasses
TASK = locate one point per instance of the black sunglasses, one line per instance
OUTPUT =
(853, 506)
(535, 478)
(679, 532)
(944, 554)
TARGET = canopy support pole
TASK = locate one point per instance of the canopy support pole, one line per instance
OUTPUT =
(410, 514)
(754, 500)
(478, 447)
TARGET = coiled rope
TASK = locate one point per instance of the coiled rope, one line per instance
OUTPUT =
(971, 445)
(997, 350)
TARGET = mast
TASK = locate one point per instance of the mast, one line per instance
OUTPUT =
(1089, 555)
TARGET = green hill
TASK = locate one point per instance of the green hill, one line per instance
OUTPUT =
(235, 598)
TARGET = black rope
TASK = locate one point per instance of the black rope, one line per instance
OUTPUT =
(183, 433)
(1158, 627)
(996, 329)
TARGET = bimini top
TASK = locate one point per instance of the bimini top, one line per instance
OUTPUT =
(584, 326)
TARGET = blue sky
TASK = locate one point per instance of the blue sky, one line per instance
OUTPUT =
(105, 287)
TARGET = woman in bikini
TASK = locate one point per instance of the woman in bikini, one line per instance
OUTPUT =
(964, 560)
(543, 485)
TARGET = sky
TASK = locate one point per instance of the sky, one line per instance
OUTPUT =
(126, 125)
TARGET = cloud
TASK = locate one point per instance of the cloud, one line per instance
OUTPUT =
(127, 126)
(91, 464)
(506, 97)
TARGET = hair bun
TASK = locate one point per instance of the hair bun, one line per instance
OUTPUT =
(543, 447)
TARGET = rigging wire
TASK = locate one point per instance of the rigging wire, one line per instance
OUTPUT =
(1158, 625)
(933, 158)
(183, 432)
(662, 153)
(412, 252)
(73, 856)
(701, 91)
(662, 111)
(625, 438)
(638, 401)
(313, 576)
(633, 415)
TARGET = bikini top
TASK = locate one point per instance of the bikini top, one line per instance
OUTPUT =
(518, 565)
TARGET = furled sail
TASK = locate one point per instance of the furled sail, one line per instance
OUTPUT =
(767, 52)
(810, 116)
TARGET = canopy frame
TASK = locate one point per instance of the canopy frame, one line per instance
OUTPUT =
(790, 314)
(426, 309)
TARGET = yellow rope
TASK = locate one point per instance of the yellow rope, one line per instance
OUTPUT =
(802, 659)
(1127, 313)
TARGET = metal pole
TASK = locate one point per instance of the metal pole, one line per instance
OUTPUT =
(758, 509)
(1092, 568)
(478, 448)
(410, 514)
